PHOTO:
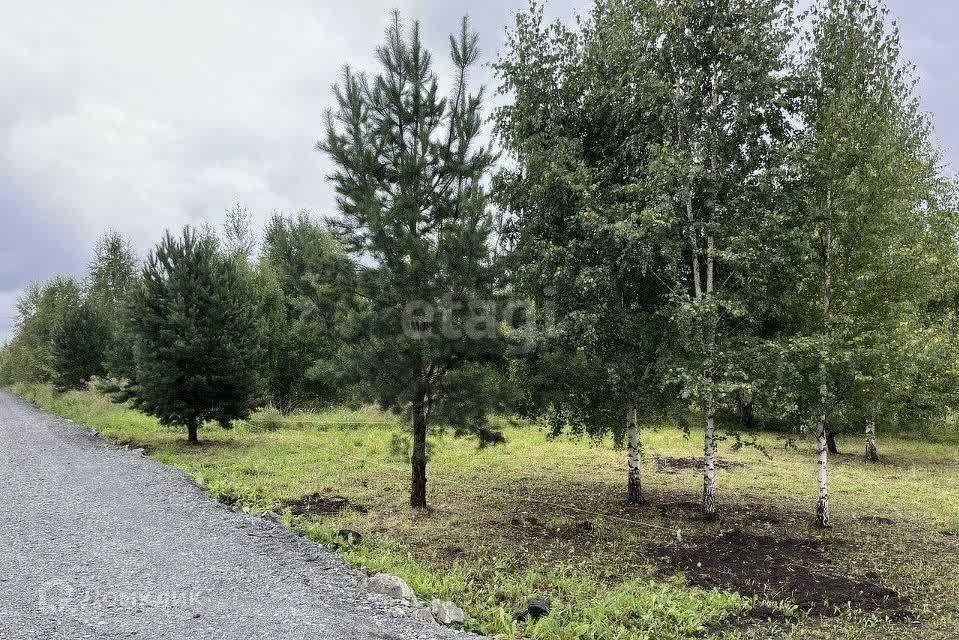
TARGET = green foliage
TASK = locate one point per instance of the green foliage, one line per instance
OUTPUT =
(113, 272)
(239, 240)
(878, 228)
(113, 277)
(6, 365)
(409, 176)
(196, 335)
(40, 315)
(66, 333)
(648, 150)
(79, 344)
(307, 281)
(697, 217)
(582, 227)
(723, 82)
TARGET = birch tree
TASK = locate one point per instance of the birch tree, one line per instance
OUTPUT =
(114, 273)
(578, 125)
(725, 66)
(875, 236)
(307, 282)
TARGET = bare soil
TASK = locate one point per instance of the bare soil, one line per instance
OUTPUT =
(318, 504)
(778, 568)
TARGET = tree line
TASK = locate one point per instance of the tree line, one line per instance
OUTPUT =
(726, 210)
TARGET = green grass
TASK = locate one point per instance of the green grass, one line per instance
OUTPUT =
(545, 517)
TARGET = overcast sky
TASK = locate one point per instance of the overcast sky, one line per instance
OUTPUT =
(139, 116)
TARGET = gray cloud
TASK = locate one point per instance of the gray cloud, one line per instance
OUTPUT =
(141, 116)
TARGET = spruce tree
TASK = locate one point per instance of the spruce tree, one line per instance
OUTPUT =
(197, 337)
(409, 175)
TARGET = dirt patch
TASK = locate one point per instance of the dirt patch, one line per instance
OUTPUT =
(131, 445)
(753, 515)
(317, 504)
(532, 527)
(790, 569)
(683, 505)
(666, 464)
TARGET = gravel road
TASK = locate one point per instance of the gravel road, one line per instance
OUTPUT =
(99, 542)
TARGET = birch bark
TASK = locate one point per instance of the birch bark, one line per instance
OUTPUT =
(822, 434)
(822, 450)
(872, 450)
(634, 481)
(710, 507)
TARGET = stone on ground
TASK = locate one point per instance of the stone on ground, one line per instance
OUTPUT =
(392, 586)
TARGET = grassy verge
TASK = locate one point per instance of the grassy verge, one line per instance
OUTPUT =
(540, 517)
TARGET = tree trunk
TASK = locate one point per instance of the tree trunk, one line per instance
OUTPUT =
(418, 457)
(191, 430)
(709, 465)
(872, 451)
(744, 410)
(634, 482)
(824, 436)
(831, 442)
(710, 508)
(709, 440)
(822, 448)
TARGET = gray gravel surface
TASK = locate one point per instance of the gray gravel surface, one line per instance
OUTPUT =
(99, 542)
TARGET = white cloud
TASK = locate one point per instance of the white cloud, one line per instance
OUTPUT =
(154, 114)
(140, 116)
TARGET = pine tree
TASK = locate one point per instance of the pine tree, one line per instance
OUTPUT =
(196, 335)
(409, 176)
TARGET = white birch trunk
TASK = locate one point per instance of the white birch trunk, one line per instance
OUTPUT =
(822, 449)
(704, 295)
(822, 436)
(872, 450)
(634, 481)
(710, 507)
(709, 465)
(694, 247)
